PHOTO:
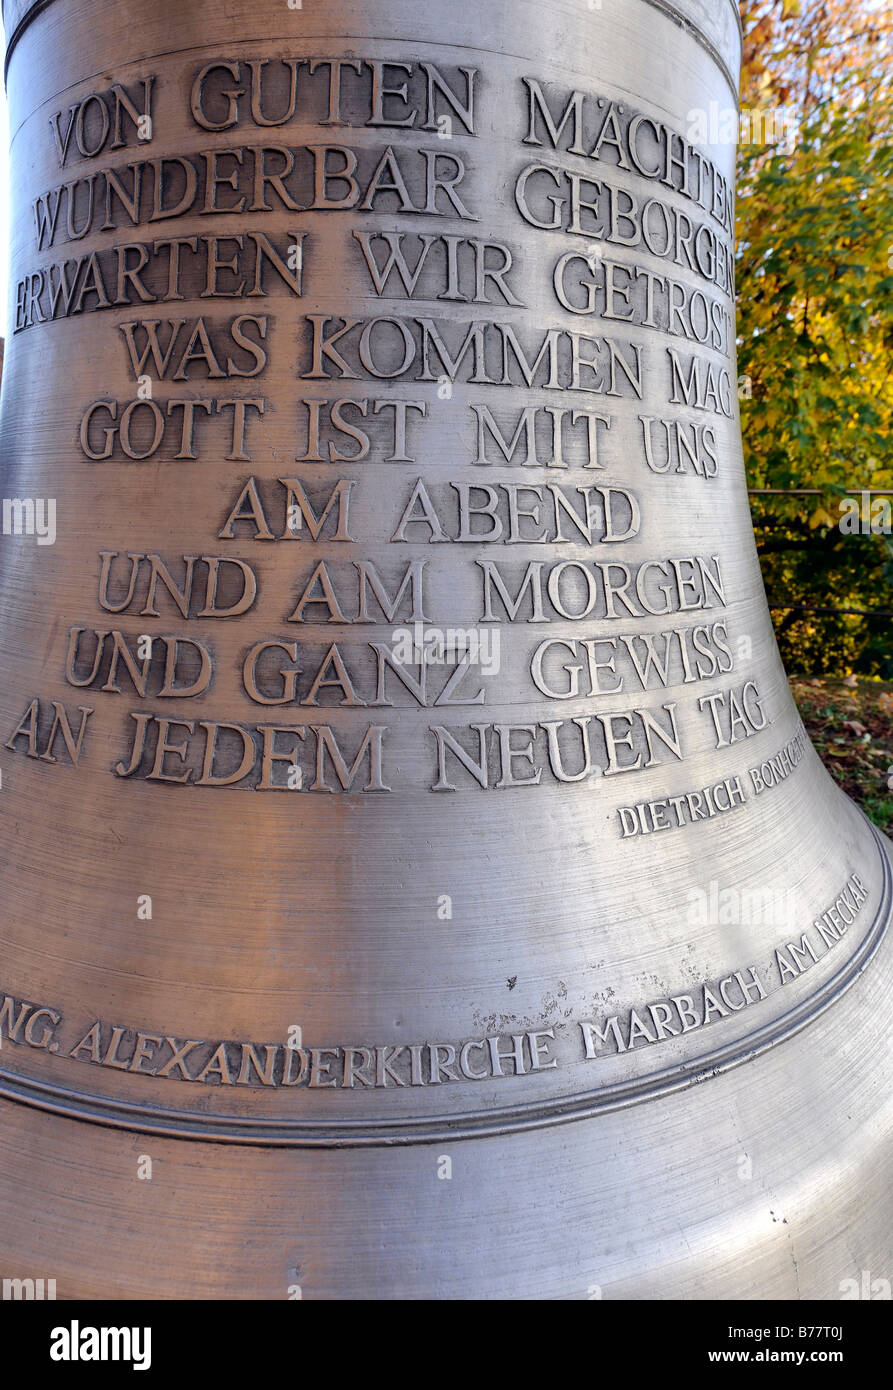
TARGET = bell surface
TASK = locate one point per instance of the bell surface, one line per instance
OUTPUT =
(417, 880)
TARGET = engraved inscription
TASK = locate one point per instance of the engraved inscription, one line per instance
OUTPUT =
(570, 333)
(506, 1054)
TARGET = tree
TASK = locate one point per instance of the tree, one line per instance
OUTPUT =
(815, 281)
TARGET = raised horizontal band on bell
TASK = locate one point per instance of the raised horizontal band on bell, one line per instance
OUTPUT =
(282, 1133)
(665, 6)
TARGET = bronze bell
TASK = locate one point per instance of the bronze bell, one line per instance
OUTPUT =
(417, 879)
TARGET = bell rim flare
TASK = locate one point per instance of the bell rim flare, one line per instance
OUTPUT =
(268, 1131)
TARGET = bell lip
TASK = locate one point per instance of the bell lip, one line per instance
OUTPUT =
(270, 1132)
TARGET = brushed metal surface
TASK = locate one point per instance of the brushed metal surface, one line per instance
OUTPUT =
(347, 967)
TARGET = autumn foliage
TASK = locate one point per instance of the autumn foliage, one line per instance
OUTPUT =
(815, 282)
